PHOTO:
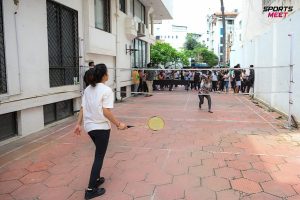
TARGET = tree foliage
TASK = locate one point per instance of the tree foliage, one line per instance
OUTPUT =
(163, 53)
(198, 51)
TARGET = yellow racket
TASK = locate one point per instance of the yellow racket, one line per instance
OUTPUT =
(155, 123)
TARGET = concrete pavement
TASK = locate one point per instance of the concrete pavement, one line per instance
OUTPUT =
(240, 151)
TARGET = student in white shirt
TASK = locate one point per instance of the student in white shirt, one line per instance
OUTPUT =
(97, 102)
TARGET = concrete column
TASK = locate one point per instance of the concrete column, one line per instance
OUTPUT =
(30, 120)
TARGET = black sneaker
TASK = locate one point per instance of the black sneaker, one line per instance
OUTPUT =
(96, 192)
(200, 105)
(100, 181)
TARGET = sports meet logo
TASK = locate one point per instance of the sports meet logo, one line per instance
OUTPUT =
(277, 11)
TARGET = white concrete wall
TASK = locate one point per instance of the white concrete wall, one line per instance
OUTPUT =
(30, 120)
(272, 48)
(27, 64)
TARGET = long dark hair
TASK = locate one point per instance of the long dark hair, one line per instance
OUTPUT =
(100, 70)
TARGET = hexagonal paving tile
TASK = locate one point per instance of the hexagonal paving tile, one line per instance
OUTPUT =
(168, 192)
(285, 177)
(56, 193)
(40, 166)
(35, 177)
(6, 197)
(272, 159)
(227, 172)
(214, 163)
(278, 189)
(158, 177)
(139, 189)
(201, 171)
(240, 165)
(228, 195)
(263, 166)
(59, 180)
(132, 175)
(245, 185)
(30, 191)
(215, 183)
(261, 195)
(195, 193)
(13, 174)
(256, 175)
(175, 168)
(186, 181)
(61, 168)
(9, 186)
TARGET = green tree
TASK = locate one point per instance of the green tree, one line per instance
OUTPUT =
(163, 53)
(198, 51)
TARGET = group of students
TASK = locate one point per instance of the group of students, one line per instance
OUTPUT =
(237, 78)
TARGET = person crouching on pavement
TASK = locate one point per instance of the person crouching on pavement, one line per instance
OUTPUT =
(205, 88)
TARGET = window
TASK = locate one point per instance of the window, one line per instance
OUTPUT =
(240, 24)
(57, 111)
(157, 37)
(221, 50)
(221, 40)
(3, 81)
(102, 15)
(230, 21)
(176, 36)
(122, 5)
(123, 92)
(221, 31)
(240, 37)
(62, 44)
(8, 125)
(140, 56)
(139, 11)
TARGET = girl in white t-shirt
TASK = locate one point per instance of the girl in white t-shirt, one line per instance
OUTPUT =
(97, 102)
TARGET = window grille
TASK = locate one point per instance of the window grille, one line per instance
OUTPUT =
(62, 44)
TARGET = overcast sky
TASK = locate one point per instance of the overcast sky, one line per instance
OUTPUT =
(192, 13)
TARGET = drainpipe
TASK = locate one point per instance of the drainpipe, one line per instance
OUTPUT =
(16, 2)
(116, 59)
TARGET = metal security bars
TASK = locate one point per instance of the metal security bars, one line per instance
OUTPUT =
(62, 44)
(57, 111)
(3, 81)
(8, 125)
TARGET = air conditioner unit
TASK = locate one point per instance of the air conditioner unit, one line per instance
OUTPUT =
(141, 29)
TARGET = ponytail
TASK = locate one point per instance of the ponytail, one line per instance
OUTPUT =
(99, 71)
(89, 77)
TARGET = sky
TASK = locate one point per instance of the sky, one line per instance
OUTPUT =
(192, 13)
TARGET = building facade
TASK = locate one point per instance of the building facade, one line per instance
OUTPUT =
(215, 34)
(170, 33)
(46, 44)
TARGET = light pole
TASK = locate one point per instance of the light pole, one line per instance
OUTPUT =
(224, 33)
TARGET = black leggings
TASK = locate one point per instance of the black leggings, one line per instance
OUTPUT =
(100, 139)
(207, 96)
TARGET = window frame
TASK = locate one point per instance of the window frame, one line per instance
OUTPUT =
(3, 70)
(61, 66)
(106, 16)
(143, 11)
(140, 56)
(13, 125)
(122, 6)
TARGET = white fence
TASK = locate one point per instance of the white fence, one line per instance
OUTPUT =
(273, 49)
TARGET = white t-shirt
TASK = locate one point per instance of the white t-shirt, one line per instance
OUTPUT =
(93, 101)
